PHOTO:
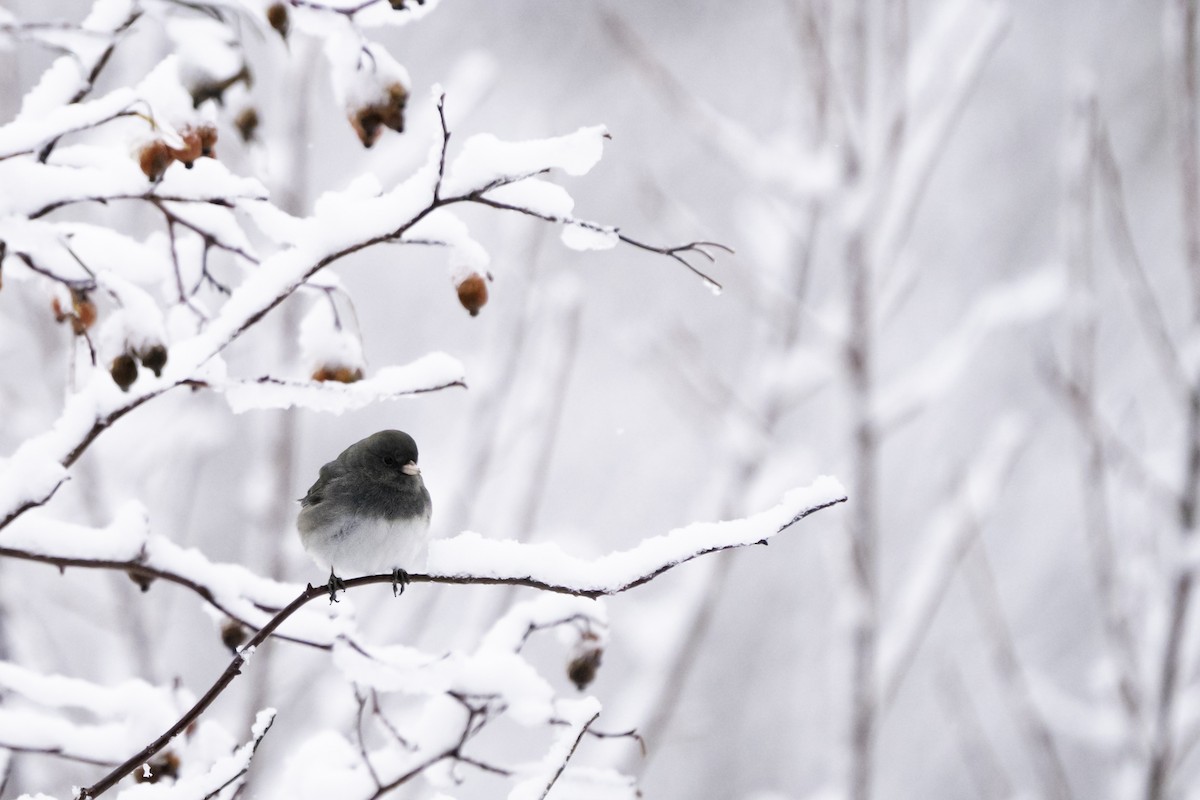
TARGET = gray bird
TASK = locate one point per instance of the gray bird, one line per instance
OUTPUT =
(369, 511)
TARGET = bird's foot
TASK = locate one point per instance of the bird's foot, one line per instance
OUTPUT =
(333, 585)
(399, 581)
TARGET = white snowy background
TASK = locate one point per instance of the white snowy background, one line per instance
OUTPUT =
(962, 284)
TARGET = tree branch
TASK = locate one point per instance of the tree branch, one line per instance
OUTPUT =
(311, 593)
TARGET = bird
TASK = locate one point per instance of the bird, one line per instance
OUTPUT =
(368, 511)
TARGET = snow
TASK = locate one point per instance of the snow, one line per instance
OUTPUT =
(429, 372)
(327, 341)
(486, 160)
(201, 784)
(123, 717)
(588, 236)
(137, 324)
(542, 197)
(471, 554)
(361, 71)
(58, 84)
(28, 135)
(440, 226)
(106, 250)
(577, 715)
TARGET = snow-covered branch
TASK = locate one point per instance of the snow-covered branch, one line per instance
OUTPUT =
(469, 559)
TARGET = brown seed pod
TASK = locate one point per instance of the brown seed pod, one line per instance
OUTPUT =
(83, 312)
(208, 140)
(582, 668)
(153, 358)
(165, 766)
(246, 123)
(154, 158)
(215, 89)
(393, 107)
(368, 124)
(472, 293)
(141, 579)
(369, 121)
(337, 374)
(277, 16)
(124, 370)
(233, 633)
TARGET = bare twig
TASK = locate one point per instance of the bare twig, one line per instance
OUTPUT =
(570, 753)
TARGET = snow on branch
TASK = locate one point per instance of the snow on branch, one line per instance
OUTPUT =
(342, 224)
(466, 559)
(428, 374)
(469, 558)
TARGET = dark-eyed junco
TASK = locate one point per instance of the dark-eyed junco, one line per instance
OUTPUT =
(369, 511)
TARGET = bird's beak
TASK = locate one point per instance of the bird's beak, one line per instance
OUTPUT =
(411, 468)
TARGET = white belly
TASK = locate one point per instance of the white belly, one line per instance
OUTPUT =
(370, 546)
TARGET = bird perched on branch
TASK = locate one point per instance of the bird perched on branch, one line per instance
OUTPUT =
(369, 511)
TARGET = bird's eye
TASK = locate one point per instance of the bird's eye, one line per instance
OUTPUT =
(389, 461)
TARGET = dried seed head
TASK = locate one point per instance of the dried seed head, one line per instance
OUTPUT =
(153, 358)
(165, 766)
(233, 633)
(337, 374)
(277, 16)
(154, 158)
(141, 579)
(83, 312)
(246, 123)
(124, 370)
(473, 293)
(369, 121)
(582, 668)
(208, 140)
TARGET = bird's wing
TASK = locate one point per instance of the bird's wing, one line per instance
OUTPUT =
(329, 472)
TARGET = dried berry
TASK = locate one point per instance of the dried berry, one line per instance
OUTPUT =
(124, 371)
(277, 16)
(165, 766)
(83, 312)
(582, 668)
(154, 158)
(208, 140)
(370, 120)
(338, 374)
(473, 293)
(141, 579)
(215, 89)
(153, 358)
(233, 634)
(246, 123)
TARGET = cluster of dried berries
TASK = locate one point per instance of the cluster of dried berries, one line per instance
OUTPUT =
(82, 314)
(124, 368)
(337, 374)
(386, 112)
(198, 141)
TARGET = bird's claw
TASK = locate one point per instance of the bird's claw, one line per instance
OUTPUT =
(399, 581)
(333, 585)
